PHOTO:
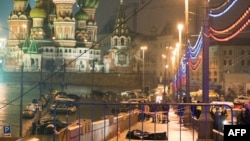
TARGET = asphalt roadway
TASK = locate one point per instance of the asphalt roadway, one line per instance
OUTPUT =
(174, 130)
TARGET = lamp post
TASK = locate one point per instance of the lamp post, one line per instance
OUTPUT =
(93, 72)
(187, 53)
(180, 28)
(165, 83)
(143, 48)
(164, 78)
(63, 84)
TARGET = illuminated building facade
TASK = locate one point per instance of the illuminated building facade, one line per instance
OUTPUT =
(49, 34)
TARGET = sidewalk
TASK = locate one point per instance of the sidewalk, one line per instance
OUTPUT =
(177, 132)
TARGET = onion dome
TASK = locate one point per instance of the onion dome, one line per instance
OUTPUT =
(38, 11)
(81, 15)
(91, 3)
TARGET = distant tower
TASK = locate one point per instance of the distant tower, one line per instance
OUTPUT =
(91, 26)
(38, 14)
(64, 23)
(19, 22)
(120, 42)
(118, 57)
(49, 7)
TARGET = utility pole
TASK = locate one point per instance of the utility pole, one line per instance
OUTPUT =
(21, 102)
(205, 121)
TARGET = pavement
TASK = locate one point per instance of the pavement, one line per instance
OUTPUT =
(174, 130)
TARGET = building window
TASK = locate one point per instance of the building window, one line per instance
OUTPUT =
(225, 52)
(230, 52)
(215, 73)
(122, 42)
(225, 62)
(115, 42)
(248, 62)
(242, 62)
(242, 52)
(215, 79)
(230, 62)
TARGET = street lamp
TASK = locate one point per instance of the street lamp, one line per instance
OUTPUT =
(143, 48)
(93, 72)
(187, 53)
(165, 82)
(164, 79)
(63, 84)
(180, 28)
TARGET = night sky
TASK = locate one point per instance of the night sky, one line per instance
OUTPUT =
(157, 14)
(108, 9)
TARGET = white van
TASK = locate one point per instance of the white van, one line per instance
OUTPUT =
(231, 104)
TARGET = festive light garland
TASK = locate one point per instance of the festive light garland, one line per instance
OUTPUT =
(224, 11)
(232, 35)
(244, 16)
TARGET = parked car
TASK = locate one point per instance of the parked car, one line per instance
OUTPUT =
(47, 126)
(39, 102)
(28, 113)
(73, 96)
(54, 93)
(129, 105)
(63, 98)
(98, 93)
(111, 93)
(63, 108)
(242, 99)
(31, 107)
(128, 94)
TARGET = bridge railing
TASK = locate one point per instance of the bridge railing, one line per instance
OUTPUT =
(101, 121)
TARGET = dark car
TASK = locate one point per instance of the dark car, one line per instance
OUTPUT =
(73, 96)
(47, 126)
(27, 113)
(63, 108)
(111, 93)
(98, 93)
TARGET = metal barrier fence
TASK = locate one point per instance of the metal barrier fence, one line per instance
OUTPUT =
(110, 121)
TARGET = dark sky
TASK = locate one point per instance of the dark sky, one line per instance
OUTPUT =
(108, 10)
(157, 14)
(6, 7)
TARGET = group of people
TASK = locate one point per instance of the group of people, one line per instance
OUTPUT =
(219, 115)
(158, 113)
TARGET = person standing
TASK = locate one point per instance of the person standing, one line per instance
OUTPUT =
(165, 109)
(198, 110)
(181, 109)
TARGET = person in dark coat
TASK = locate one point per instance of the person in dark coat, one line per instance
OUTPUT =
(181, 109)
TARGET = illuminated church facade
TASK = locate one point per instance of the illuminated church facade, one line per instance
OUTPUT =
(49, 37)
